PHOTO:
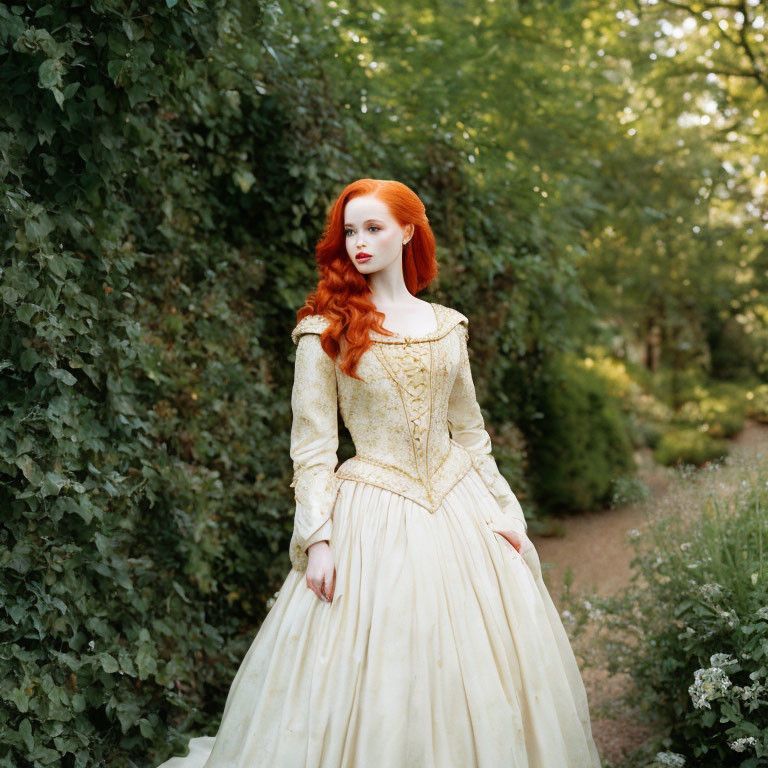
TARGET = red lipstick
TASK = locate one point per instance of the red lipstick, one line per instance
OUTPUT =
(361, 257)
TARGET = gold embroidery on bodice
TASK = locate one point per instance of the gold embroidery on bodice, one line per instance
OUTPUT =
(413, 418)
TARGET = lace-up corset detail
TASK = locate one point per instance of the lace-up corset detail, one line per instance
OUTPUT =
(407, 384)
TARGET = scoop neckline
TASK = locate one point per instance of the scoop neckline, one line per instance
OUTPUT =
(405, 338)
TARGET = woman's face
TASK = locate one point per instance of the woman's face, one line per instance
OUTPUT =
(371, 231)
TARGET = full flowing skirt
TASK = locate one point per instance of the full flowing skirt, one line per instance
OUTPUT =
(442, 648)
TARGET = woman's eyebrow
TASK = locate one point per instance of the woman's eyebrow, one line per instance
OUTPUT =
(378, 221)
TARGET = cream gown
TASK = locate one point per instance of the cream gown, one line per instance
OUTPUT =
(442, 647)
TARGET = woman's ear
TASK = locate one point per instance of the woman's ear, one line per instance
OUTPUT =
(408, 233)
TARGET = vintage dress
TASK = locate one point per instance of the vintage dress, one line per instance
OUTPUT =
(442, 647)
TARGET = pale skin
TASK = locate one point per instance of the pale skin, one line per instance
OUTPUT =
(370, 228)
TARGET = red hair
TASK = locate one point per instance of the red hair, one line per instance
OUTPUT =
(342, 294)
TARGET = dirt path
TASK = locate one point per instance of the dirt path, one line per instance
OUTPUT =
(594, 546)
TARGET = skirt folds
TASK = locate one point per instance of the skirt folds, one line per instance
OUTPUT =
(442, 648)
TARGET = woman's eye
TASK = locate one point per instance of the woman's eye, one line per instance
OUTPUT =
(372, 227)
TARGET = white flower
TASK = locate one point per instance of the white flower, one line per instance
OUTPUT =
(750, 692)
(91, 645)
(567, 617)
(711, 591)
(685, 545)
(753, 578)
(729, 617)
(671, 759)
(708, 685)
(721, 660)
(763, 612)
(741, 744)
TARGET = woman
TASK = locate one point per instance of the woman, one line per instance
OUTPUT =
(414, 629)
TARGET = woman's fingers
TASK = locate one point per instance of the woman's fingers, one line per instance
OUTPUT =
(525, 548)
(318, 586)
(321, 571)
(518, 540)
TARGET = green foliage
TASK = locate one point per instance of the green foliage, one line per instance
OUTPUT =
(688, 446)
(736, 352)
(757, 403)
(718, 411)
(627, 489)
(716, 407)
(143, 476)
(693, 629)
(580, 443)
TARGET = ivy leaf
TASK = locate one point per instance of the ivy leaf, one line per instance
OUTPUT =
(20, 698)
(244, 179)
(108, 663)
(115, 68)
(65, 377)
(145, 662)
(50, 73)
(17, 611)
(30, 469)
(52, 484)
(25, 312)
(25, 731)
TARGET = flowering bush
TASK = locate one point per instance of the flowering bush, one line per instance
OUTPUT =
(692, 630)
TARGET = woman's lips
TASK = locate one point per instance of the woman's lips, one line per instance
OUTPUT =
(363, 257)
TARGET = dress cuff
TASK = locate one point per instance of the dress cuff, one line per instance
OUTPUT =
(323, 533)
(315, 493)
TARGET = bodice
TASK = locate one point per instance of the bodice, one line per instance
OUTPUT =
(412, 415)
(398, 415)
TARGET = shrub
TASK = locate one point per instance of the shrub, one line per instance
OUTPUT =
(629, 383)
(718, 409)
(581, 442)
(757, 403)
(693, 629)
(688, 446)
(628, 489)
(649, 432)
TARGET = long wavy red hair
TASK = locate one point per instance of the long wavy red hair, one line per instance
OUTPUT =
(342, 294)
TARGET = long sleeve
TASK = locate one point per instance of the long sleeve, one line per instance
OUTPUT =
(314, 442)
(467, 427)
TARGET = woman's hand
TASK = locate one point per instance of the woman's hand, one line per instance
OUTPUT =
(321, 573)
(517, 539)
(523, 545)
